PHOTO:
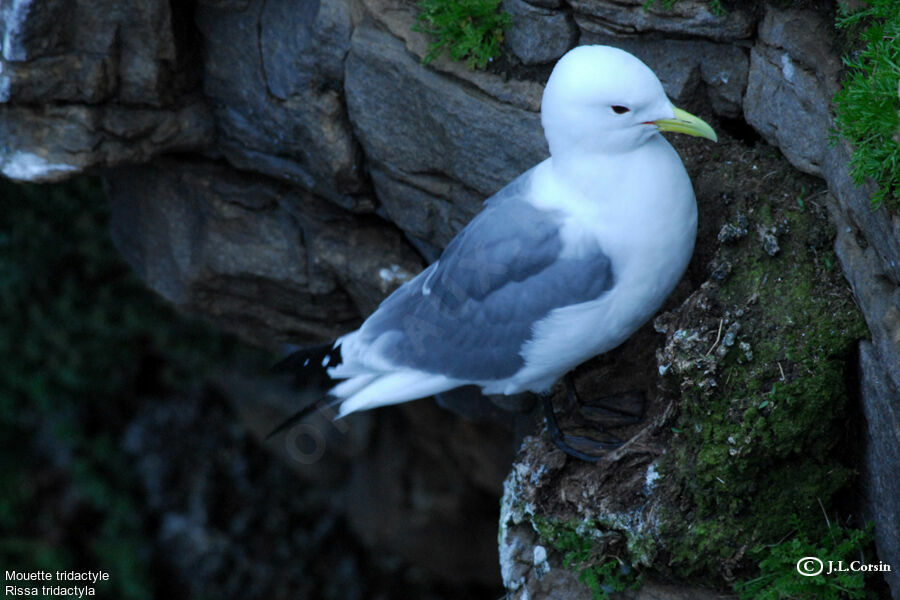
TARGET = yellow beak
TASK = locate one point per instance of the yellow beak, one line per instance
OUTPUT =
(685, 122)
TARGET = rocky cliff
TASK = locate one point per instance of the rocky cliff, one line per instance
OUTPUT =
(280, 166)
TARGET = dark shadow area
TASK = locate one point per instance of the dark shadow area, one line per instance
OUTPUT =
(122, 448)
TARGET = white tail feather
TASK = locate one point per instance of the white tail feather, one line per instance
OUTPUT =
(347, 388)
(393, 388)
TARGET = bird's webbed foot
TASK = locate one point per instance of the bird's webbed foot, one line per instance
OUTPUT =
(611, 412)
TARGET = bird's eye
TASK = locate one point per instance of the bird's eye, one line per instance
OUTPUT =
(620, 110)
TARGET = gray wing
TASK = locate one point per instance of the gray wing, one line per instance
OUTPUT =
(468, 315)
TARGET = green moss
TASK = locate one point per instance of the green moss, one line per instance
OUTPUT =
(587, 551)
(867, 108)
(760, 429)
(470, 30)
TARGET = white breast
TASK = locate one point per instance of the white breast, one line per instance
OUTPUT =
(645, 221)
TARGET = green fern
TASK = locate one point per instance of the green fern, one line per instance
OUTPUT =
(470, 30)
(778, 564)
(868, 107)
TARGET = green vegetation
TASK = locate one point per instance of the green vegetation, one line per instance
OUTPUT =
(868, 107)
(715, 6)
(586, 550)
(470, 30)
(83, 342)
(763, 421)
(762, 360)
(778, 564)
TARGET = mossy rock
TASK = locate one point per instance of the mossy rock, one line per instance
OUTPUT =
(751, 397)
(762, 355)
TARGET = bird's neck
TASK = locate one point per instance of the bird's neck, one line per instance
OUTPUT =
(634, 200)
(598, 169)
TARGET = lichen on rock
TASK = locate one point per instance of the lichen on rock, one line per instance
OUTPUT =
(753, 385)
(759, 431)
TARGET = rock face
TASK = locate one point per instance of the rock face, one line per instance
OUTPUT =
(427, 145)
(256, 255)
(280, 167)
(793, 75)
(274, 76)
(798, 45)
(688, 18)
(96, 84)
(531, 569)
(538, 35)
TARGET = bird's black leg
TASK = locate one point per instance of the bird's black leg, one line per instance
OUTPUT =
(574, 445)
(560, 440)
(611, 412)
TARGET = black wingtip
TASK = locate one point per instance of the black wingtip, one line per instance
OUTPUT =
(310, 357)
(308, 368)
(297, 417)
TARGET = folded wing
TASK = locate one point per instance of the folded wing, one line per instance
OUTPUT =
(468, 315)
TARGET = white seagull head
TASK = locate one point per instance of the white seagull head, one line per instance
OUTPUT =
(601, 99)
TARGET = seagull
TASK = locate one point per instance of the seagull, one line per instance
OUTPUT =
(562, 264)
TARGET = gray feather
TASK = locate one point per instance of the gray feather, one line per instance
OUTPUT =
(468, 315)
